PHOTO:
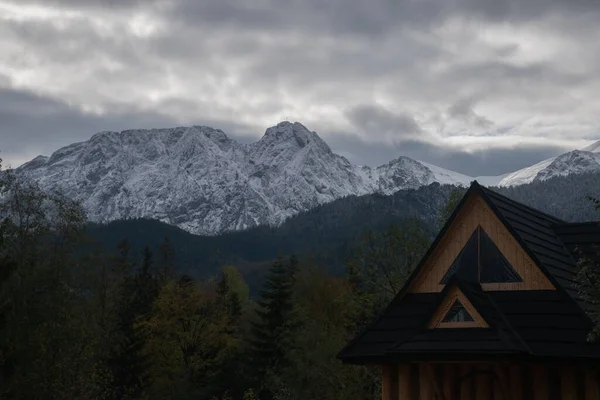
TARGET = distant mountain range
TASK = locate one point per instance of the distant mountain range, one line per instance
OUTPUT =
(200, 180)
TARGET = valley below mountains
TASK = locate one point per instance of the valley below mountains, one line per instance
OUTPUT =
(200, 180)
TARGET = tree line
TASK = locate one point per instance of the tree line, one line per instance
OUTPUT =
(81, 321)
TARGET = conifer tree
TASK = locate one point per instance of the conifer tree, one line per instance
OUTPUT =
(275, 323)
(138, 292)
(588, 279)
(167, 259)
(229, 299)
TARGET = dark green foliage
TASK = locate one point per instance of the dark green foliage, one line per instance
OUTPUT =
(158, 316)
(167, 259)
(230, 299)
(562, 197)
(328, 233)
(454, 198)
(273, 329)
(135, 295)
(588, 278)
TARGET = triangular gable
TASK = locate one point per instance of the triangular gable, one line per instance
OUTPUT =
(472, 213)
(453, 311)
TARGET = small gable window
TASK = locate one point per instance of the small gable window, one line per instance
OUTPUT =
(458, 313)
(481, 261)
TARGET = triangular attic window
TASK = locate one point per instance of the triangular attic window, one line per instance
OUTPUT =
(481, 261)
(458, 313)
(466, 263)
(494, 266)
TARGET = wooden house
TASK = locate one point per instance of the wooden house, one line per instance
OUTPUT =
(490, 312)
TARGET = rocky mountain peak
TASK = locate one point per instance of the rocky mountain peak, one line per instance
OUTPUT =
(573, 162)
(294, 134)
(199, 179)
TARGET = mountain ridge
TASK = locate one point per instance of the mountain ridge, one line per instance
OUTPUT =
(199, 179)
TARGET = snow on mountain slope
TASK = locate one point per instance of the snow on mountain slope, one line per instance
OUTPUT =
(445, 176)
(202, 181)
(524, 175)
(296, 170)
(573, 162)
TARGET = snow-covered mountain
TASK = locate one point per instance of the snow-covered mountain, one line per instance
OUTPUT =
(573, 162)
(202, 181)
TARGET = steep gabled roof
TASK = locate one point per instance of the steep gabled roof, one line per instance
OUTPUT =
(536, 233)
(498, 338)
(533, 229)
(547, 323)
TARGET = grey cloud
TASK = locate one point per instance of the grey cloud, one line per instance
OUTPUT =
(491, 161)
(31, 124)
(373, 18)
(487, 162)
(526, 10)
(376, 121)
(289, 57)
(499, 72)
(89, 4)
(353, 17)
(463, 109)
(339, 17)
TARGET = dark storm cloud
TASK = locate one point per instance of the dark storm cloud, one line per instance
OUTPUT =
(499, 72)
(483, 162)
(31, 124)
(524, 10)
(89, 4)
(433, 63)
(463, 109)
(354, 17)
(377, 120)
(370, 18)
(487, 162)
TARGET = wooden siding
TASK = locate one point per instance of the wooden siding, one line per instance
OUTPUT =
(474, 213)
(453, 295)
(487, 381)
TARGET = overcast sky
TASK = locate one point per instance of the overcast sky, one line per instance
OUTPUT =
(477, 86)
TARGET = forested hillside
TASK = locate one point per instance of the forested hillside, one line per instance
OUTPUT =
(563, 197)
(81, 321)
(329, 233)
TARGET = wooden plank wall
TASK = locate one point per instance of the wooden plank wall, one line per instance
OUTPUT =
(486, 381)
(476, 212)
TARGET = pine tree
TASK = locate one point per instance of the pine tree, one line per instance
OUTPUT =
(275, 324)
(138, 292)
(229, 299)
(167, 259)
